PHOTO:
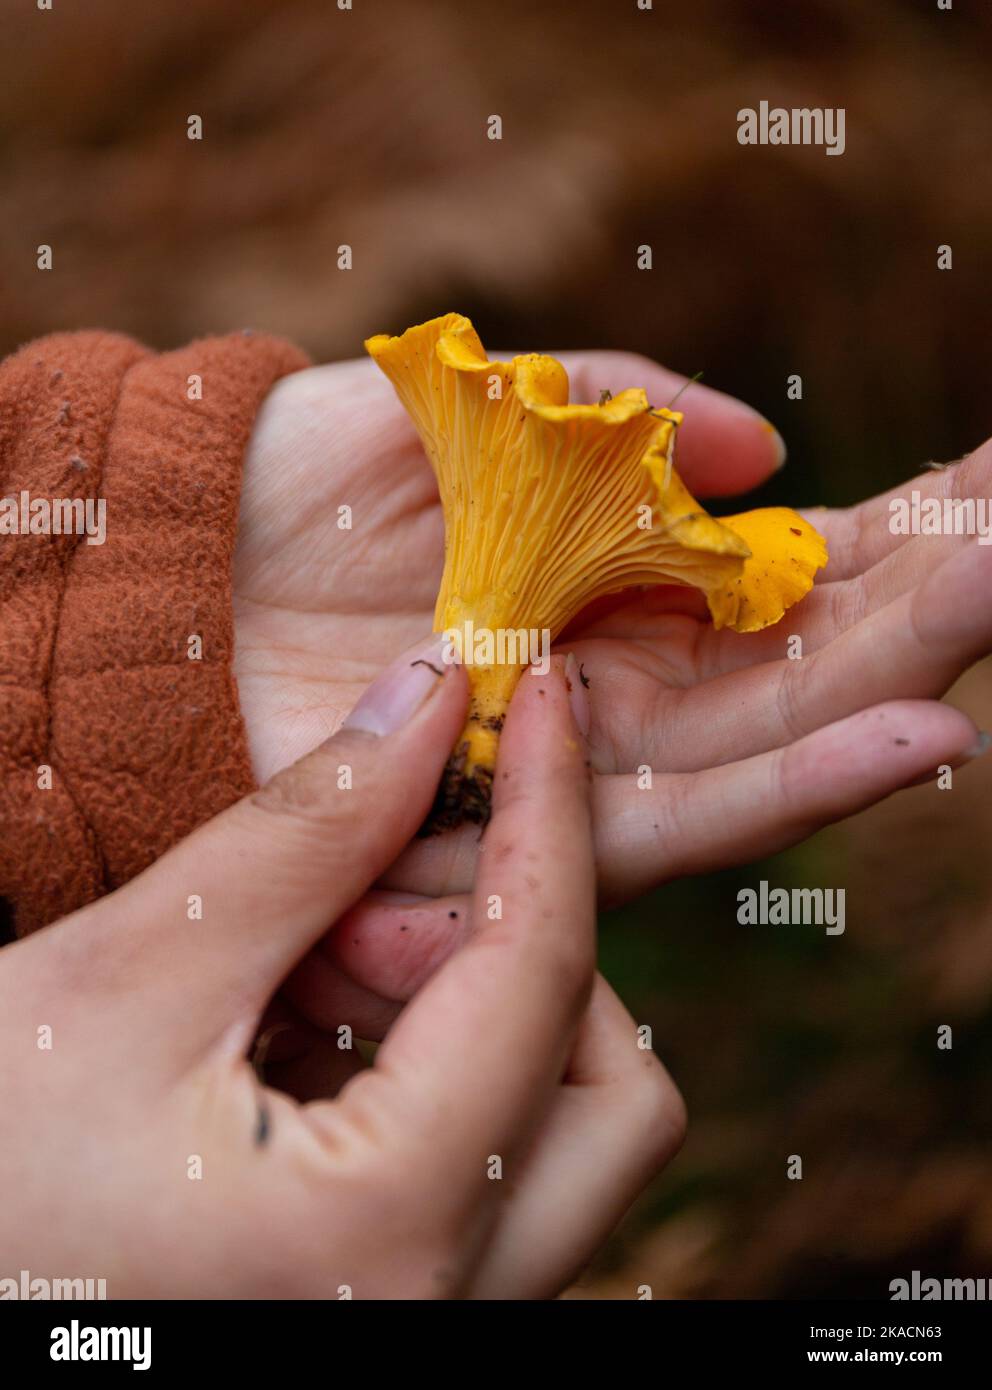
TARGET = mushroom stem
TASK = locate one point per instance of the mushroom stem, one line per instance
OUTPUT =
(465, 791)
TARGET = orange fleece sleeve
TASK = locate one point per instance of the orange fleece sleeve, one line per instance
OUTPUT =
(114, 743)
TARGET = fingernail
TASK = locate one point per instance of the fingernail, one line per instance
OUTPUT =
(781, 452)
(396, 695)
(982, 746)
(577, 696)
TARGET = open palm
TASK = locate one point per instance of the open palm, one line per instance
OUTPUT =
(324, 600)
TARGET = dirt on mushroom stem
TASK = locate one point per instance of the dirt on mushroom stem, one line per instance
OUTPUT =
(465, 790)
(462, 797)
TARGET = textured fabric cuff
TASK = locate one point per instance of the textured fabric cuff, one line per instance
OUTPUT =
(116, 657)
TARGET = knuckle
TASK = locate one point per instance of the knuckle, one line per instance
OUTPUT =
(859, 516)
(659, 1114)
(676, 808)
(972, 475)
(923, 632)
(848, 604)
(787, 696)
(796, 787)
(788, 773)
(298, 790)
(308, 793)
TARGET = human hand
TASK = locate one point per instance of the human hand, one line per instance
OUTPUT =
(749, 750)
(319, 610)
(146, 1152)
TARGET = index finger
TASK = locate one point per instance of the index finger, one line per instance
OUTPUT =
(723, 446)
(473, 1059)
(861, 536)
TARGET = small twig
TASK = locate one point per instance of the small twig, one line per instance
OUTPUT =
(684, 387)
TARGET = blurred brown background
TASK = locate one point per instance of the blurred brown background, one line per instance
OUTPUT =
(619, 128)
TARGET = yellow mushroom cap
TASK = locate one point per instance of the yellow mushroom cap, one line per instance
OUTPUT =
(785, 554)
(549, 505)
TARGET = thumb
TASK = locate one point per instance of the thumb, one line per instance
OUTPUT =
(268, 875)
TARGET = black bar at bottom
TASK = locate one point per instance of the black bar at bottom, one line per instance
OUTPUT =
(260, 1338)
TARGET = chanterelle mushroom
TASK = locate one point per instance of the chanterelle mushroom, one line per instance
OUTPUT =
(548, 506)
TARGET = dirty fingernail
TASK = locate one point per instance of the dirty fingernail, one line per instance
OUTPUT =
(397, 694)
